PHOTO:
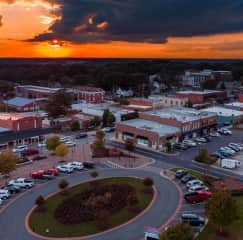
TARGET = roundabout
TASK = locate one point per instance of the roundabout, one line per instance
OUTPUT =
(157, 211)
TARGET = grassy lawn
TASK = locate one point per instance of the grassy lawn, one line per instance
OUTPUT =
(235, 230)
(40, 222)
(196, 174)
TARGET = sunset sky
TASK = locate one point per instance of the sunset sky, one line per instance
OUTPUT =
(121, 28)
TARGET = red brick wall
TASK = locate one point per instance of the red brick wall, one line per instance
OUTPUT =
(241, 97)
(166, 121)
(140, 102)
(24, 123)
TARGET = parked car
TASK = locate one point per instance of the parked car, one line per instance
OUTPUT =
(109, 129)
(41, 145)
(76, 165)
(201, 140)
(194, 183)
(224, 153)
(180, 146)
(198, 196)
(187, 178)
(234, 147)
(19, 148)
(65, 139)
(42, 174)
(193, 219)
(29, 152)
(189, 143)
(229, 163)
(214, 134)
(180, 173)
(12, 188)
(70, 143)
(4, 194)
(1, 201)
(225, 131)
(227, 149)
(65, 169)
(54, 171)
(197, 188)
(22, 183)
(88, 164)
(237, 145)
(81, 135)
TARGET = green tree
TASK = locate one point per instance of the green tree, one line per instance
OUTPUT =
(61, 150)
(98, 146)
(108, 118)
(129, 145)
(75, 125)
(168, 146)
(7, 162)
(205, 158)
(96, 121)
(40, 201)
(180, 231)
(52, 143)
(58, 104)
(189, 104)
(221, 209)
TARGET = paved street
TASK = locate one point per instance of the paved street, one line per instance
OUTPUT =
(164, 206)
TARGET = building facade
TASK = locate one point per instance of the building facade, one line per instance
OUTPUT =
(89, 94)
(206, 96)
(20, 121)
(154, 128)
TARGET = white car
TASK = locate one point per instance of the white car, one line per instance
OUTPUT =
(41, 145)
(70, 143)
(225, 131)
(189, 143)
(65, 168)
(19, 148)
(198, 188)
(22, 182)
(194, 183)
(201, 140)
(227, 149)
(76, 165)
(4, 194)
(236, 145)
(65, 139)
(214, 134)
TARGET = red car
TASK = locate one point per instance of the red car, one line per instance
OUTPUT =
(29, 152)
(198, 196)
(45, 174)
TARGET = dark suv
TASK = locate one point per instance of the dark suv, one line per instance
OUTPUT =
(192, 219)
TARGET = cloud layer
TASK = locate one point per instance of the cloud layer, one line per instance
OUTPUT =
(142, 20)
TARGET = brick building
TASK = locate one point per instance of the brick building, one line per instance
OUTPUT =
(241, 97)
(206, 96)
(32, 91)
(89, 94)
(155, 127)
(25, 104)
(20, 121)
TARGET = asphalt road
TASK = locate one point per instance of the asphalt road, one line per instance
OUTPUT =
(13, 218)
(185, 158)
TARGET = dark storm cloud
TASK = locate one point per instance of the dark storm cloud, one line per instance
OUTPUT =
(144, 20)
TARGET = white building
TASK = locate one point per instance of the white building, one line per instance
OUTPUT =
(196, 78)
(168, 101)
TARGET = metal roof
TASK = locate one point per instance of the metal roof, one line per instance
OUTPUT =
(21, 102)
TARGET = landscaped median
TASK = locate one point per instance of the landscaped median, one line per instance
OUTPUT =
(91, 207)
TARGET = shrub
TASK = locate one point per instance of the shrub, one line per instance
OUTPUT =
(63, 184)
(132, 199)
(94, 174)
(40, 201)
(148, 182)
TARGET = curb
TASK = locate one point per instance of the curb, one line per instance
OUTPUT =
(29, 230)
(163, 227)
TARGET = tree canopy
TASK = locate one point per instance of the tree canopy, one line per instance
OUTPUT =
(7, 162)
(52, 143)
(58, 104)
(61, 150)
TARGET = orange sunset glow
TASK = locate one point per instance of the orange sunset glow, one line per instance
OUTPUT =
(23, 20)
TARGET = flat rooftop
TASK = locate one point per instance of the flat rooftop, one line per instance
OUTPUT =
(150, 126)
(200, 92)
(17, 116)
(180, 114)
(39, 88)
(221, 111)
(235, 104)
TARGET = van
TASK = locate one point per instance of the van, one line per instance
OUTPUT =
(229, 163)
